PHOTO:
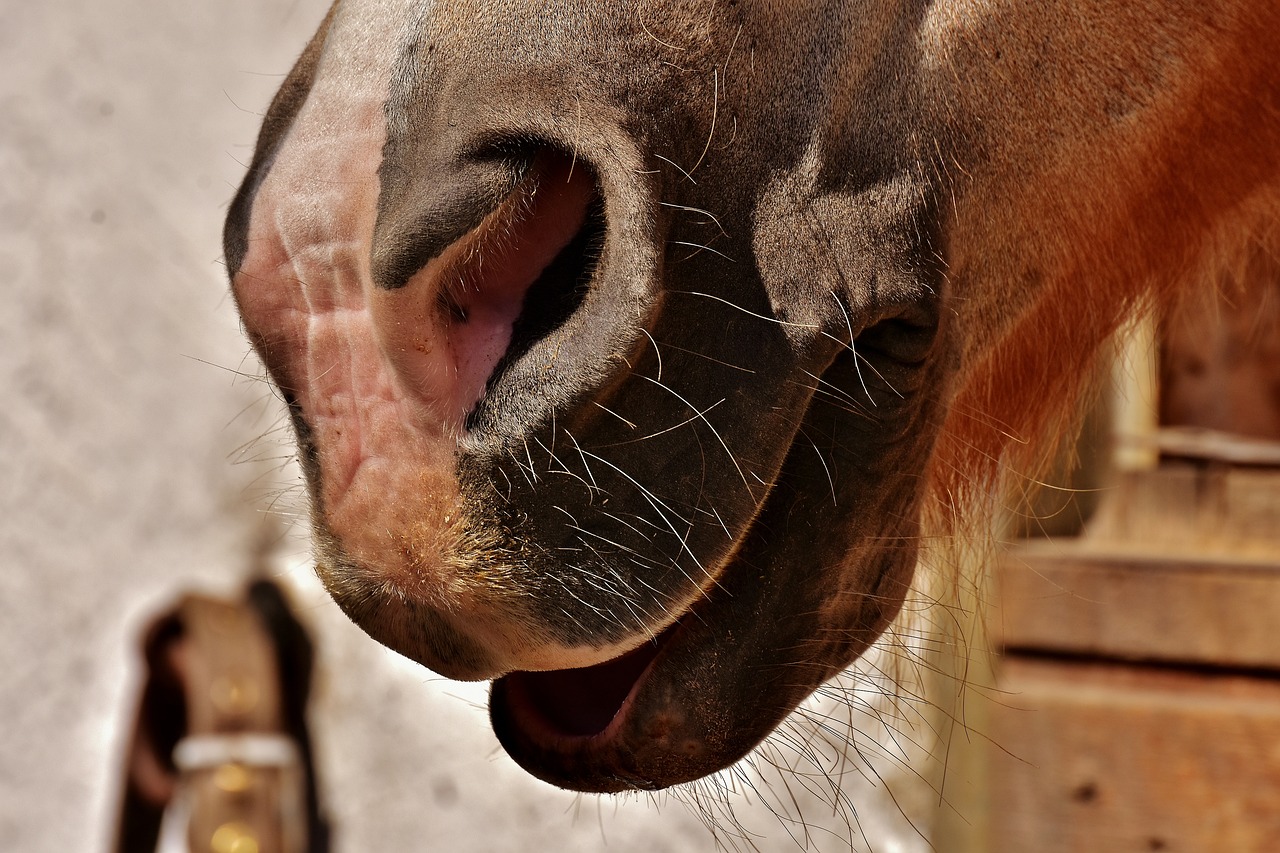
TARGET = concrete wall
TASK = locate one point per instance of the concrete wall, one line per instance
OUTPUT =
(138, 459)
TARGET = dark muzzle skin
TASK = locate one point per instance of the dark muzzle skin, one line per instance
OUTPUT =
(610, 373)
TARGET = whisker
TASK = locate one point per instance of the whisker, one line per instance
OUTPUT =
(746, 311)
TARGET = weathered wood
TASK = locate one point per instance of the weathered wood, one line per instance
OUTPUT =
(1095, 749)
(1065, 598)
(1104, 758)
(1213, 445)
(1219, 356)
(1184, 508)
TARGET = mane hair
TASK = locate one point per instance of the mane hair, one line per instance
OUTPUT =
(1137, 174)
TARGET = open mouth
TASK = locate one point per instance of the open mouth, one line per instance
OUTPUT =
(563, 726)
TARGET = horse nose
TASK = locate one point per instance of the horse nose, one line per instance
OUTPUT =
(384, 308)
(437, 271)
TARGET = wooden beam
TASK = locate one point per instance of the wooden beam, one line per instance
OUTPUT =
(1105, 758)
(1067, 600)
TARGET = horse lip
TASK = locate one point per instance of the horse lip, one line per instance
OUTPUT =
(595, 762)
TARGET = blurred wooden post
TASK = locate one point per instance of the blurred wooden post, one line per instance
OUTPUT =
(1136, 397)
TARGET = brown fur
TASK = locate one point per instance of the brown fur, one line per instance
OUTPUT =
(1135, 171)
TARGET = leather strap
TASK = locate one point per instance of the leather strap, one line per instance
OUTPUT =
(221, 731)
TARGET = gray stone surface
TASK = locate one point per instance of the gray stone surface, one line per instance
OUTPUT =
(138, 461)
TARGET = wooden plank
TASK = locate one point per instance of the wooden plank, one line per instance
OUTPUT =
(1102, 758)
(1214, 446)
(1180, 507)
(1220, 355)
(1068, 599)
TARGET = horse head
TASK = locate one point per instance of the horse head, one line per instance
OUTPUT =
(627, 344)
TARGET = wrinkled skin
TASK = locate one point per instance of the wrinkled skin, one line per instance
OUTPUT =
(623, 340)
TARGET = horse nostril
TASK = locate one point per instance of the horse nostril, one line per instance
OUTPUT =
(560, 288)
(482, 299)
(418, 221)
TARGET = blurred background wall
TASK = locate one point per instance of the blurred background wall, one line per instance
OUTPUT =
(140, 455)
